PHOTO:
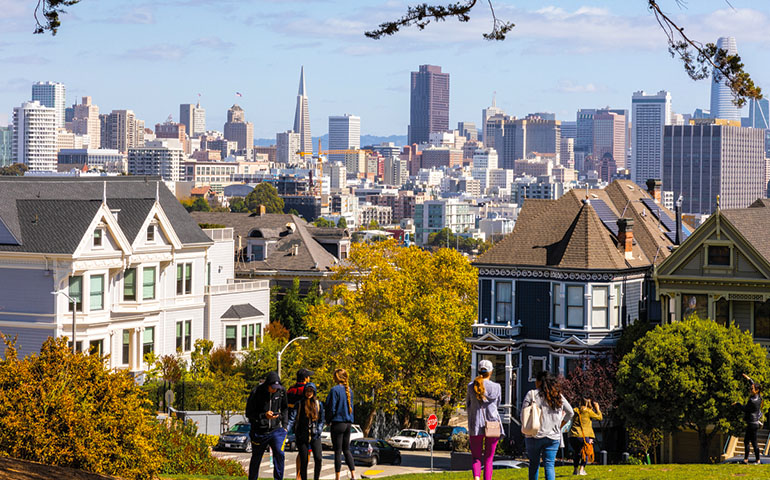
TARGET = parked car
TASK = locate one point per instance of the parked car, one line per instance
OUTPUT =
(326, 436)
(237, 438)
(411, 439)
(443, 437)
(505, 464)
(291, 442)
(370, 451)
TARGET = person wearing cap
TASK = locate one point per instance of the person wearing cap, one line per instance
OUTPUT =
(308, 423)
(293, 396)
(268, 412)
(482, 402)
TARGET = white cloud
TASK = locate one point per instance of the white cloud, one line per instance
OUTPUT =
(568, 86)
(214, 43)
(157, 52)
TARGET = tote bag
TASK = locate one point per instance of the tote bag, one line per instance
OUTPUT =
(530, 418)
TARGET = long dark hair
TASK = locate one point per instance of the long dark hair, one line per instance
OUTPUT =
(549, 389)
(311, 405)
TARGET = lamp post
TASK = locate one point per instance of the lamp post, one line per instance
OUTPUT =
(284, 348)
(74, 312)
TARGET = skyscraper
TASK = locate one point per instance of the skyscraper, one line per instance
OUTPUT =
(287, 146)
(238, 129)
(302, 116)
(610, 138)
(649, 115)
(486, 114)
(584, 131)
(51, 95)
(6, 146)
(34, 136)
(121, 130)
(759, 113)
(193, 117)
(722, 105)
(85, 121)
(344, 134)
(429, 106)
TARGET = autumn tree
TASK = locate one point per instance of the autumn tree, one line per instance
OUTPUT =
(687, 375)
(289, 306)
(267, 195)
(224, 394)
(397, 321)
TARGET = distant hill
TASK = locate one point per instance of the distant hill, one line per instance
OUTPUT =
(365, 140)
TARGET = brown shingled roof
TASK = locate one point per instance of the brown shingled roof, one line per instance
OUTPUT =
(753, 223)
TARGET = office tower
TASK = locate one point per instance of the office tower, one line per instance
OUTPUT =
(486, 114)
(193, 117)
(395, 171)
(493, 126)
(302, 118)
(710, 158)
(759, 113)
(584, 131)
(610, 137)
(568, 129)
(485, 158)
(344, 134)
(543, 136)
(287, 146)
(650, 114)
(468, 130)
(722, 105)
(338, 176)
(173, 130)
(34, 136)
(85, 121)
(121, 130)
(158, 157)
(429, 105)
(543, 115)
(51, 95)
(510, 140)
(567, 152)
(6, 146)
(237, 129)
(386, 149)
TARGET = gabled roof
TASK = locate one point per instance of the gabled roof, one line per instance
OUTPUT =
(245, 310)
(753, 224)
(569, 233)
(65, 205)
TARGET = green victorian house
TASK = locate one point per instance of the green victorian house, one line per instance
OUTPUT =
(721, 272)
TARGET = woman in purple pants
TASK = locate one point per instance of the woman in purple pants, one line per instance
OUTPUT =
(482, 402)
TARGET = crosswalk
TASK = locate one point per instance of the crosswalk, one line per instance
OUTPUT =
(290, 466)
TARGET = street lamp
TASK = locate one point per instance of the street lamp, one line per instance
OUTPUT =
(283, 349)
(74, 311)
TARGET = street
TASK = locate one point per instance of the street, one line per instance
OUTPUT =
(411, 462)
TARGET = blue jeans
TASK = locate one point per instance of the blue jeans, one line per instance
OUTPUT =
(545, 448)
(259, 443)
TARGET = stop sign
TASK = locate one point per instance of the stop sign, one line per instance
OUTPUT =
(432, 423)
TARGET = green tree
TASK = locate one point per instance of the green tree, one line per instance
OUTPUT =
(200, 204)
(15, 170)
(289, 307)
(687, 375)
(400, 331)
(342, 223)
(200, 361)
(264, 194)
(223, 393)
(322, 222)
(238, 205)
(261, 359)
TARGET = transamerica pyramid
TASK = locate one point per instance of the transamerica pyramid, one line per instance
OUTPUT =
(302, 118)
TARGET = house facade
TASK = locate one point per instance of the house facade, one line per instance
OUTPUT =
(565, 282)
(139, 273)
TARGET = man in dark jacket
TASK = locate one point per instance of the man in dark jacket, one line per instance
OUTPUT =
(294, 394)
(268, 413)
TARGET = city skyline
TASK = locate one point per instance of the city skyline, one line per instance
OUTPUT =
(329, 42)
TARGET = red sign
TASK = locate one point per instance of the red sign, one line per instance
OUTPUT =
(432, 423)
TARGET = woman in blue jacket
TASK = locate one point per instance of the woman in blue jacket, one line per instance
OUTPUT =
(339, 416)
(308, 422)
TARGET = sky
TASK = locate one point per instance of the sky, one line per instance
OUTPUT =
(562, 55)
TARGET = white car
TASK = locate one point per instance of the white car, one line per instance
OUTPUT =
(411, 439)
(326, 436)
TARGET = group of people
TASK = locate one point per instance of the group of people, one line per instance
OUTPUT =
(273, 412)
(555, 412)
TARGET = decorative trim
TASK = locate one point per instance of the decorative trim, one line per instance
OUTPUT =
(555, 274)
(531, 359)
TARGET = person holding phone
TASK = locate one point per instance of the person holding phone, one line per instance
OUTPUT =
(268, 412)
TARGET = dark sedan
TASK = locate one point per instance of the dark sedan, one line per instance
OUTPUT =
(443, 437)
(237, 438)
(370, 451)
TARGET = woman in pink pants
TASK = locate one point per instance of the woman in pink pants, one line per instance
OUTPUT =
(481, 403)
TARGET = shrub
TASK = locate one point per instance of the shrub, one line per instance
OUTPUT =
(186, 452)
(460, 442)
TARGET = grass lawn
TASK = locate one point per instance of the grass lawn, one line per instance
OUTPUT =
(622, 472)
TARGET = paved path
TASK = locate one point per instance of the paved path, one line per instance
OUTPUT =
(411, 462)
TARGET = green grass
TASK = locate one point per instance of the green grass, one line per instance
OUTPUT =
(620, 472)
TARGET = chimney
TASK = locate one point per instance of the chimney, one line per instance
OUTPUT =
(261, 210)
(295, 250)
(653, 188)
(626, 236)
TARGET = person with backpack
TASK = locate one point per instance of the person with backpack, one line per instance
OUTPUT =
(752, 415)
(308, 423)
(484, 425)
(582, 435)
(544, 412)
(293, 395)
(268, 413)
(339, 416)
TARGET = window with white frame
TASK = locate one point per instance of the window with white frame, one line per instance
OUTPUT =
(184, 278)
(536, 365)
(76, 293)
(503, 302)
(151, 233)
(231, 337)
(616, 306)
(184, 335)
(126, 347)
(575, 307)
(558, 308)
(129, 285)
(98, 237)
(249, 335)
(148, 341)
(148, 283)
(96, 292)
(599, 307)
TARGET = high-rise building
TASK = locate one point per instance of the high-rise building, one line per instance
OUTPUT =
(193, 117)
(486, 114)
(338, 176)
(429, 105)
(510, 140)
(158, 157)
(568, 129)
(121, 130)
(51, 95)
(468, 130)
(344, 134)
(610, 137)
(543, 135)
(493, 127)
(712, 158)
(584, 131)
(237, 129)
(395, 171)
(650, 114)
(34, 136)
(302, 117)
(287, 148)
(759, 113)
(85, 121)
(543, 115)
(6, 146)
(567, 152)
(722, 105)
(173, 130)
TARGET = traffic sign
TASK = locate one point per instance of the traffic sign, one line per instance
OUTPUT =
(432, 423)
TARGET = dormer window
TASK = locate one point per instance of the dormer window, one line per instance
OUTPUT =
(151, 234)
(98, 236)
(719, 255)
